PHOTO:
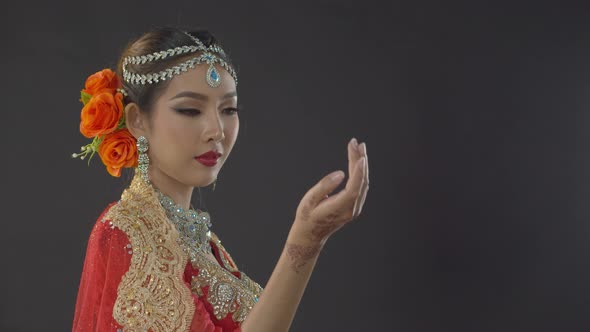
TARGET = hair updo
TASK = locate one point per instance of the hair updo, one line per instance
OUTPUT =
(156, 40)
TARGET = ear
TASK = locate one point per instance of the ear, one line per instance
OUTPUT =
(135, 121)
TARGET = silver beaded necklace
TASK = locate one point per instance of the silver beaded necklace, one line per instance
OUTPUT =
(193, 226)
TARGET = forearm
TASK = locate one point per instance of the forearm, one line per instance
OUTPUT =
(318, 216)
(278, 303)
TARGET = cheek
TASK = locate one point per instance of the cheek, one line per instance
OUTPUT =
(231, 130)
(174, 134)
(183, 132)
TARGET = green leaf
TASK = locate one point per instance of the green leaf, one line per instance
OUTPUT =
(85, 97)
(121, 123)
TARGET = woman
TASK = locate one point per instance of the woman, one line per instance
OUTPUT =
(152, 263)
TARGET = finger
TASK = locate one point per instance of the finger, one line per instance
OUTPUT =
(358, 195)
(366, 181)
(346, 200)
(354, 181)
(348, 195)
(358, 206)
(363, 198)
(342, 203)
(360, 200)
(363, 152)
(353, 155)
(324, 187)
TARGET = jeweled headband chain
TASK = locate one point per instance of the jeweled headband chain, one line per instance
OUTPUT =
(208, 56)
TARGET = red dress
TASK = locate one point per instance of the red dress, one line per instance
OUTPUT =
(108, 258)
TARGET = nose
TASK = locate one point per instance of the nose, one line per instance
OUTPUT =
(214, 130)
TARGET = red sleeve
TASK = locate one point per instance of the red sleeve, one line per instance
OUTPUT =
(107, 259)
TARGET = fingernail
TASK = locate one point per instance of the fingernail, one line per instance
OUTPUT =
(337, 176)
(364, 149)
(355, 143)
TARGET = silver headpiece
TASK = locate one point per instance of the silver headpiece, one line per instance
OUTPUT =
(208, 55)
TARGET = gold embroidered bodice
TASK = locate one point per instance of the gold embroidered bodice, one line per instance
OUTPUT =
(152, 294)
(227, 293)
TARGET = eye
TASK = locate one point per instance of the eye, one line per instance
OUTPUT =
(188, 111)
(231, 110)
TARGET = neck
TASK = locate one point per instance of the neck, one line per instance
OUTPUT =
(179, 192)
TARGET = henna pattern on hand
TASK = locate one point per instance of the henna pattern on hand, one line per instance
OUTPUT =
(324, 227)
(299, 254)
(321, 229)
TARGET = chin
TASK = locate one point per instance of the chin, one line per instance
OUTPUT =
(201, 181)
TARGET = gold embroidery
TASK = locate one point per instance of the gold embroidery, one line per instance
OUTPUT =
(250, 284)
(152, 294)
(227, 293)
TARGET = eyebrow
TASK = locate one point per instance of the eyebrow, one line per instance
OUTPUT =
(199, 96)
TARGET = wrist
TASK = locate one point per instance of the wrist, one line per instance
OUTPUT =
(302, 250)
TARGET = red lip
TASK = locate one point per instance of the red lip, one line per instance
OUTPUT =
(208, 158)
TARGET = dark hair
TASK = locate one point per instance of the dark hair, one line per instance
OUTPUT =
(156, 40)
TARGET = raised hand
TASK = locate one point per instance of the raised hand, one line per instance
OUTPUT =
(319, 215)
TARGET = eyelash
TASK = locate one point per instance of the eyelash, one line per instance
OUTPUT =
(232, 110)
(188, 111)
(195, 112)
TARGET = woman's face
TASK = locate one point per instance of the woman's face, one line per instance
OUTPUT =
(189, 119)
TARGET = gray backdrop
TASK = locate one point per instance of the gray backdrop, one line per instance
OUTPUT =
(475, 114)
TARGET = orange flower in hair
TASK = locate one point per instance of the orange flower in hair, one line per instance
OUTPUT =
(118, 150)
(105, 79)
(101, 115)
(102, 119)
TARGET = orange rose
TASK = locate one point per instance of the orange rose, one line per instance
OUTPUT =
(104, 79)
(117, 150)
(102, 114)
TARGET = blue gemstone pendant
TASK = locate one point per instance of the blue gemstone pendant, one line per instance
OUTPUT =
(213, 77)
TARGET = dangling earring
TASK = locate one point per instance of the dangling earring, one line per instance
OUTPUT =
(143, 160)
(214, 184)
